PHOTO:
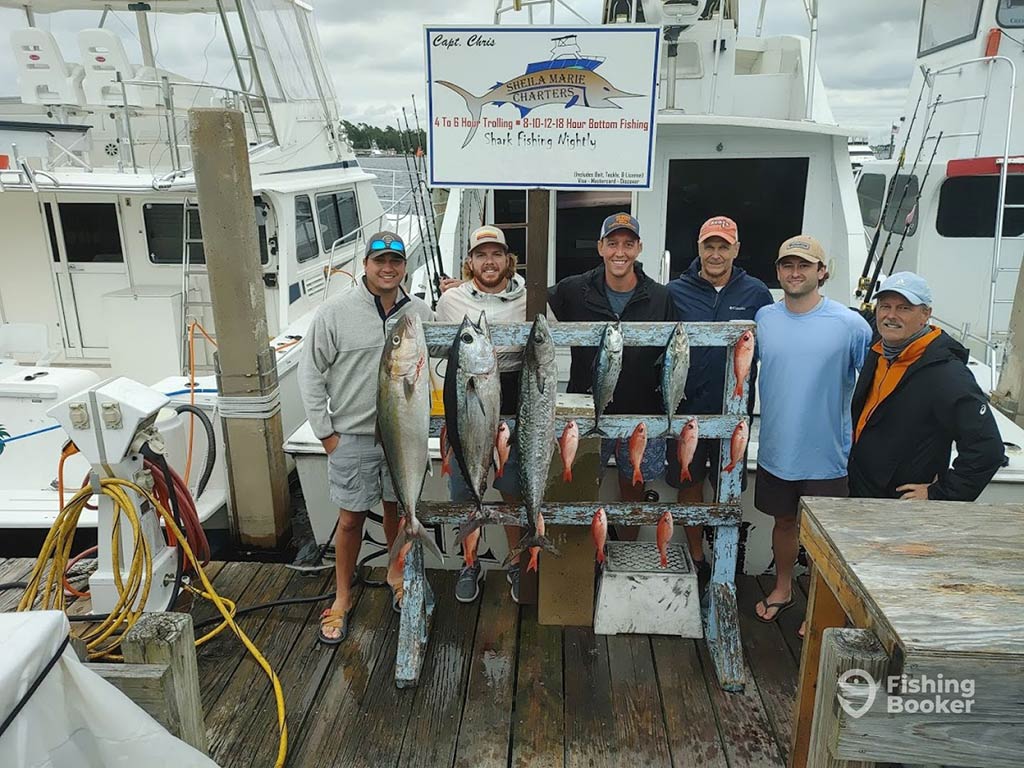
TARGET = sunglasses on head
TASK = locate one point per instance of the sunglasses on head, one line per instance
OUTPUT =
(394, 245)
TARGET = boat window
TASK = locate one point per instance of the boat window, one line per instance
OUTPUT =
(870, 192)
(510, 216)
(306, 247)
(1010, 13)
(947, 22)
(164, 238)
(338, 217)
(91, 232)
(904, 198)
(967, 207)
(745, 189)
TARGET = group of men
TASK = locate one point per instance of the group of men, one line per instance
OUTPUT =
(823, 431)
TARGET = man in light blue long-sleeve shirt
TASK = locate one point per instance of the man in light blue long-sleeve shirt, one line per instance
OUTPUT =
(810, 350)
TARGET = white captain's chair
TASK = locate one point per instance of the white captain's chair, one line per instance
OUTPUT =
(103, 56)
(43, 75)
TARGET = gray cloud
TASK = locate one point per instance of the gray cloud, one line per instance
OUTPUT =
(374, 51)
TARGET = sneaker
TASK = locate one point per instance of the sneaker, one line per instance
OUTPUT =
(512, 577)
(467, 588)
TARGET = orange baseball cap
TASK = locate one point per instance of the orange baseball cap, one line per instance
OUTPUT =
(719, 226)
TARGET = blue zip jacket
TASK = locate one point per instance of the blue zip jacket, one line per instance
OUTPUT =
(696, 300)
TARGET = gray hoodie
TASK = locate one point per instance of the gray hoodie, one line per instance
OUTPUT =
(340, 358)
(509, 306)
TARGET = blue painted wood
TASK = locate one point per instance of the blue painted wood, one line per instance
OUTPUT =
(589, 334)
(582, 513)
(414, 627)
(623, 425)
(722, 632)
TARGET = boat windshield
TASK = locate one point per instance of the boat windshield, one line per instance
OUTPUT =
(1010, 13)
(947, 22)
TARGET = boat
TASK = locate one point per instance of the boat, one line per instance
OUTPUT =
(103, 263)
(860, 152)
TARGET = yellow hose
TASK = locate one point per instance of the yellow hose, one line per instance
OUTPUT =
(103, 639)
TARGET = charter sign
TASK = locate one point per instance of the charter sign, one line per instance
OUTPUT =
(553, 107)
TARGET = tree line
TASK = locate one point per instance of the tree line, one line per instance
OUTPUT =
(362, 136)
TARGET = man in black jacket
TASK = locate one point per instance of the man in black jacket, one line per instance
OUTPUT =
(619, 290)
(914, 399)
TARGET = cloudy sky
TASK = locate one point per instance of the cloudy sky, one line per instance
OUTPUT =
(375, 53)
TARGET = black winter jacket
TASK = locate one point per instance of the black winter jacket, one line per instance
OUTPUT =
(582, 298)
(909, 436)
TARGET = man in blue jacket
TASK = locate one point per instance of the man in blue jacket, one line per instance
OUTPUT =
(713, 289)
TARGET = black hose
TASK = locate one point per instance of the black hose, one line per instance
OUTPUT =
(7, 585)
(211, 444)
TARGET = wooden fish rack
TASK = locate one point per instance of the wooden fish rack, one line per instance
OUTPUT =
(721, 620)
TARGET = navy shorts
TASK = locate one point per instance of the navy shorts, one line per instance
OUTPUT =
(781, 498)
(652, 465)
(704, 465)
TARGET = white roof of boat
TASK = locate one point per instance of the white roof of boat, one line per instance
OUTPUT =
(753, 123)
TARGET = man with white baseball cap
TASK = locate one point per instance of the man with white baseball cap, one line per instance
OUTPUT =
(915, 397)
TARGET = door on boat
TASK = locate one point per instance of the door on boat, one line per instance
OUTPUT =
(88, 262)
(577, 226)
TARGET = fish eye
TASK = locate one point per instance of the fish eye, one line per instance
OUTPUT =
(467, 339)
(396, 339)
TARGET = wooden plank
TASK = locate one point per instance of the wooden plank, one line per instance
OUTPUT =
(746, 732)
(487, 715)
(722, 635)
(325, 686)
(990, 732)
(246, 584)
(693, 735)
(638, 723)
(12, 570)
(434, 720)
(588, 334)
(167, 638)
(147, 685)
(842, 650)
(771, 661)
(619, 425)
(945, 576)
(823, 611)
(589, 719)
(582, 513)
(539, 737)
(789, 621)
(382, 715)
(247, 704)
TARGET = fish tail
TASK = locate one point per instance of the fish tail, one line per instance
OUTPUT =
(685, 476)
(731, 465)
(475, 105)
(664, 558)
(638, 476)
(595, 430)
(567, 474)
(600, 556)
(738, 392)
(415, 530)
(534, 555)
(529, 542)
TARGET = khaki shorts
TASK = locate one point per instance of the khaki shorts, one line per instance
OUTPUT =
(357, 474)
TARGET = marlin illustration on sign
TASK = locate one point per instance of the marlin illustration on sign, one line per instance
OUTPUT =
(562, 83)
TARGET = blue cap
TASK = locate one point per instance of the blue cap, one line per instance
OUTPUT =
(908, 285)
(619, 221)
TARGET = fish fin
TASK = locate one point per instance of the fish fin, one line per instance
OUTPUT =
(408, 386)
(472, 396)
(567, 474)
(528, 541)
(594, 430)
(523, 111)
(396, 548)
(572, 101)
(475, 105)
(477, 519)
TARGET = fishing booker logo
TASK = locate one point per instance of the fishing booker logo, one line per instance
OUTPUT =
(924, 694)
(559, 82)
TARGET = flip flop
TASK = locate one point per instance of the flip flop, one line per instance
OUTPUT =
(779, 608)
(331, 619)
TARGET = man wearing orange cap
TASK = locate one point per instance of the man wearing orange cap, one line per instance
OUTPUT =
(713, 289)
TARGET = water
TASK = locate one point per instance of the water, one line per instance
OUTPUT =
(393, 179)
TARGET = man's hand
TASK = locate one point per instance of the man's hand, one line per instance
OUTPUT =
(449, 282)
(914, 491)
(330, 443)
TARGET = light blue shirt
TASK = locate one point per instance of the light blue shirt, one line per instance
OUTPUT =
(809, 365)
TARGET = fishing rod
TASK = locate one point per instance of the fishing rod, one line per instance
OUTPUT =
(862, 284)
(917, 201)
(899, 206)
(433, 214)
(416, 210)
(426, 204)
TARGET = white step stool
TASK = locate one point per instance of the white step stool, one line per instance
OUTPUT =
(635, 595)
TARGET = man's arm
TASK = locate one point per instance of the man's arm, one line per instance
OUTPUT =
(318, 354)
(980, 453)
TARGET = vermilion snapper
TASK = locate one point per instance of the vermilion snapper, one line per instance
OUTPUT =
(568, 443)
(665, 525)
(502, 446)
(742, 358)
(637, 446)
(599, 530)
(686, 447)
(737, 445)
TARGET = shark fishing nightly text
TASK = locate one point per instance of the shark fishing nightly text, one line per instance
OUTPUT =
(563, 140)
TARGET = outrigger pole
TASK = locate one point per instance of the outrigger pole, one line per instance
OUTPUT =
(439, 265)
(435, 291)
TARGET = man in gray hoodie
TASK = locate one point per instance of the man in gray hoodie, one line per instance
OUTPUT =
(338, 381)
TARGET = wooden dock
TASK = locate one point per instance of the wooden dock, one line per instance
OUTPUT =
(497, 689)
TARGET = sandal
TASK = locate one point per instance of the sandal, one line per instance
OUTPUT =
(397, 593)
(779, 608)
(331, 619)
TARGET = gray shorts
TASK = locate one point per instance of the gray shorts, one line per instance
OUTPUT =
(357, 474)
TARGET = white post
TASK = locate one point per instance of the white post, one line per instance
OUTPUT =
(144, 39)
(812, 64)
